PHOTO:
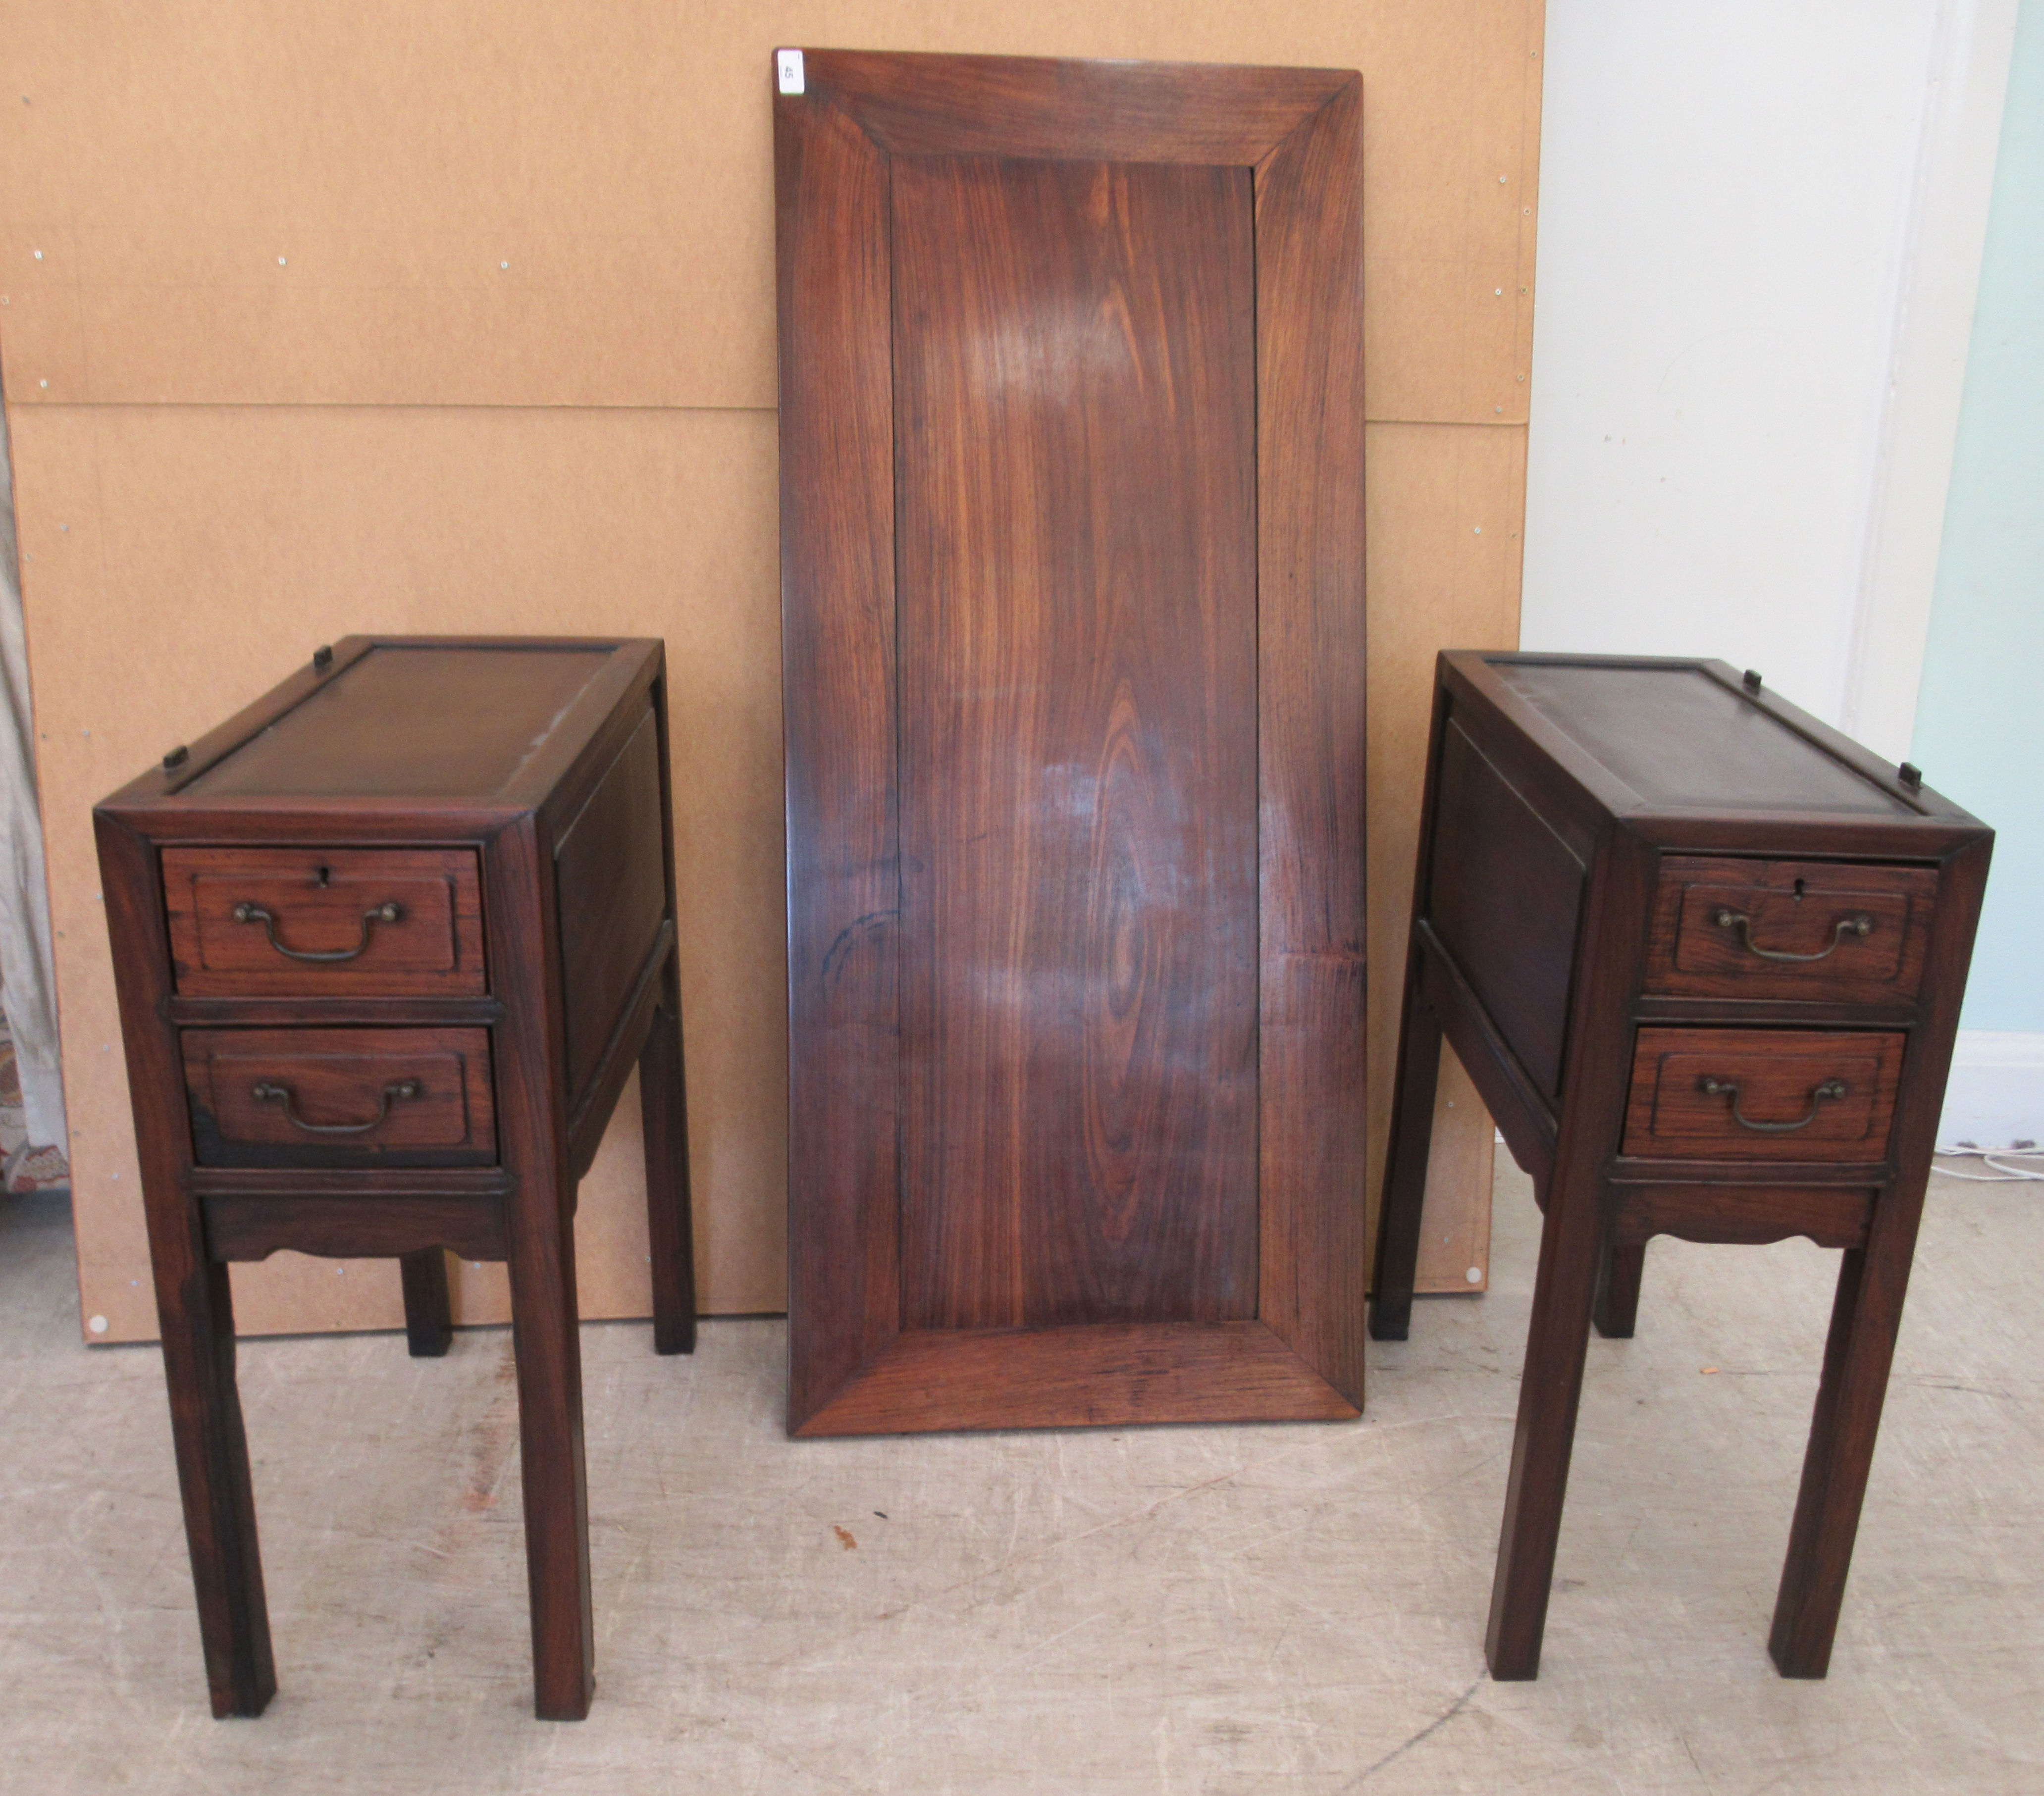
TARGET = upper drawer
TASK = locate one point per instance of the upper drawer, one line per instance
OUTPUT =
(1762, 1094)
(1828, 930)
(302, 921)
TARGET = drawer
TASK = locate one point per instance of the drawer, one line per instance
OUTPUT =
(1822, 930)
(340, 1097)
(1762, 1094)
(307, 922)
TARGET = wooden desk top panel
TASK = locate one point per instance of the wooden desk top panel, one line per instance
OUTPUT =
(424, 721)
(1072, 581)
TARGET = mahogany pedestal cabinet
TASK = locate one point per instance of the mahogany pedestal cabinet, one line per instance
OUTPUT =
(1702, 958)
(388, 945)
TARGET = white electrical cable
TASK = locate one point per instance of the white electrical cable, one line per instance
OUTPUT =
(2001, 1175)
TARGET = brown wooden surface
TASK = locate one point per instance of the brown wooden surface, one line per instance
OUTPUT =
(318, 903)
(1867, 1312)
(408, 721)
(1505, 894)
(1669, 1115)
(341, 1077)
(838, 651)
(590, 1108)
(1830, 1215)
(609, 864)
(1312, 1041)
(248, 1225)
(1564, 1281)
(1678, 734)
(1764, 803)
(667, 1192)
(1075, 485)
(366, 1121)
(1099, 1375)
(1112, 458)
(1042, 108)
(1791, 907)
(428, 1314)
(194, 1299)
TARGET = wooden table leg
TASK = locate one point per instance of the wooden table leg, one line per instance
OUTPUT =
(428, 1310)
(1405, 1165)
(195, 1310)
(1551, 1385)
(664, 1103)
(546, 1340)
(1617, 1309)
(1865, 1314)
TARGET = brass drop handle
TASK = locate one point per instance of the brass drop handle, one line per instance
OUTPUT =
(1829, 1091)
(264, 1092)
(1858, 924)
(246, 912)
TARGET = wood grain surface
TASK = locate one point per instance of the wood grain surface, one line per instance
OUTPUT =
(320, 902)
(1075, 406)
(1073, 110)
(1778, 1072)
(340, 1079)
(1506, 897)
(1789, 907)
(838, 653)
(611, 885)
(1120, 720)
(415, 721)
(1312, 789)
(1830, 1215)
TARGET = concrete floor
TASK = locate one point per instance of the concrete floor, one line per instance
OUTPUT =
(1216, 1609)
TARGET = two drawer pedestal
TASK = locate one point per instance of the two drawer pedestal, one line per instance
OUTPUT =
(1702, 958)
(388, 945)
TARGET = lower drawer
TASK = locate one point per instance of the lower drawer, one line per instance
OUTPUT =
(340, 1097)
(1762, 1094)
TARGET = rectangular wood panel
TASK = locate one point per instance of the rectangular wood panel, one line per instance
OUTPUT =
(1073, 560)
(1075, 488)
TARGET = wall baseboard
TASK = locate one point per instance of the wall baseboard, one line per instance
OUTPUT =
(1995, 1095)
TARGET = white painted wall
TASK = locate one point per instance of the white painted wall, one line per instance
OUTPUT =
(1759, 233)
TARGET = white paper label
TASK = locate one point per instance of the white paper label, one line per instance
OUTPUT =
(788, 70)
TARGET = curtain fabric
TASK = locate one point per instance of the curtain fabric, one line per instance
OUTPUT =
(28, 977)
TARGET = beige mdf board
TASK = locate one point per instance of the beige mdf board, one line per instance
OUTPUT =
(237, 458)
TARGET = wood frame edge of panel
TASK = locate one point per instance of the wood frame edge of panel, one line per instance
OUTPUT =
(1097, 1375)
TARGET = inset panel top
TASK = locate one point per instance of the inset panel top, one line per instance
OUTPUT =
(1678, 735)
(419, 722)
(490, 723)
